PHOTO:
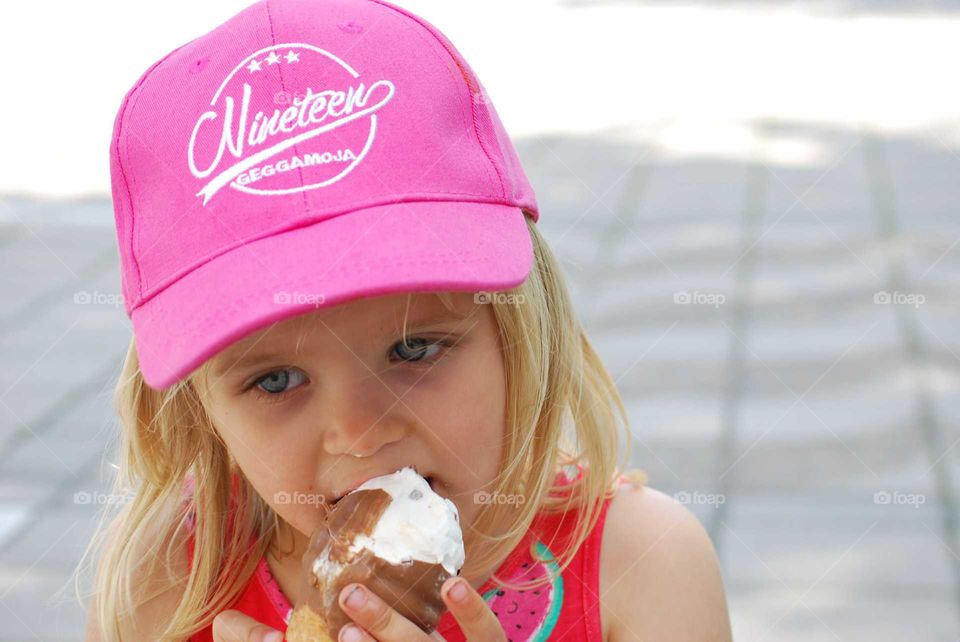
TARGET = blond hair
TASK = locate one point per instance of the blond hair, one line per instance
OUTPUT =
(563, 409)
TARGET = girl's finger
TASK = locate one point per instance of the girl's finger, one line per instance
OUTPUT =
(234, 626)
(376, 617)
(477, 621)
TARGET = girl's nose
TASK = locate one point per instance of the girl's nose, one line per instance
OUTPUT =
(359, 421)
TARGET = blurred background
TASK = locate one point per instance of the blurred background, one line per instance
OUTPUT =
(756, 206)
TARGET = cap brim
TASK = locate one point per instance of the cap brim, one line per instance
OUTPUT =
(417, 246)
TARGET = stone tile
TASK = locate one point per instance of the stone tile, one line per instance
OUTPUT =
(828, 467)
(693, 190)
(792, 239)
(35, 419)
(946, 411)
(18, 498)
(673, 468)
(656, 225)
(683, 348)
(625, 308)
(91, 419)
(676, 418)
(59, 458)
(69, 366)
(24, 488)
(857, 408)
(764, 612)
(832, 276)
(90, 303)
(937, 328)
(575, 172)
(924, 183)
(40, 605)
(835, 190)
(65, 328)
(13, 519)
(50, 254)
(64, 449)
(786, 539)
(857, 437)
(89, 215)
(934, 259)
(683, 255)
(53, 540)
(795, 352)
(44, 241)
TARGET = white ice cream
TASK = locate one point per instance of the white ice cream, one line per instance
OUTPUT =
(417, 525)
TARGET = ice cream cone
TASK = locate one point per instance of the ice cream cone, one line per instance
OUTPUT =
(306, 625)
(393, 534)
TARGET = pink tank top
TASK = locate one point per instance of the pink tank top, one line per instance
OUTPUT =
(567, 609)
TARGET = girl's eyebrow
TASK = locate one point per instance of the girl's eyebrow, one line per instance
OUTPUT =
(439, 317)
(258, 357)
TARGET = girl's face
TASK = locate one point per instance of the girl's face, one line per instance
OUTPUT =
(293, 419)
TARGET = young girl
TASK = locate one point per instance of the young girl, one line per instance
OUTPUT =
(330, 258)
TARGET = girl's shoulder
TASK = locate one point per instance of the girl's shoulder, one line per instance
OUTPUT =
(156, 588)
(659, 575)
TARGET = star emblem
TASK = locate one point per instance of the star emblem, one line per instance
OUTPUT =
(273, 58)
(253, 66)
(292, 57)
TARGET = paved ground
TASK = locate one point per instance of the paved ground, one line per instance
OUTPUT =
(812, 428)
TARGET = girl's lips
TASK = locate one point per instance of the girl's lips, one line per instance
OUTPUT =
(430, 480)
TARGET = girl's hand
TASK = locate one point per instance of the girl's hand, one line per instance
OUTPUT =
(380, 623)
(234, 626)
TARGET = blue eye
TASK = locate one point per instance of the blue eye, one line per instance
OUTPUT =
(415, 349)
(278, 382)
(274, 386)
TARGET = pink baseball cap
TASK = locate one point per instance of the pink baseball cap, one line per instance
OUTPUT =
(302, 154)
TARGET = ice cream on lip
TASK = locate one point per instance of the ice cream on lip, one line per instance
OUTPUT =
(337, 495)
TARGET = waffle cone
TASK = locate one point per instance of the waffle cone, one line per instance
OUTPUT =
(306, 625)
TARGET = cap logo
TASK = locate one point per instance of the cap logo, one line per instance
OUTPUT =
(293, 142)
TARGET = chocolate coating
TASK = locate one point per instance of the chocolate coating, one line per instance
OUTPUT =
(412, 589)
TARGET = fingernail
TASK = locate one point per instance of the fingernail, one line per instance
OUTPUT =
(273, 636)
(356, 598)
(458, 592)
(350, 633)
